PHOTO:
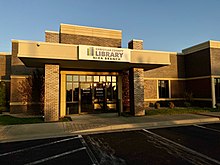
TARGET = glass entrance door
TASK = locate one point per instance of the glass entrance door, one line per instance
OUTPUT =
(91, 93)
(86, 97)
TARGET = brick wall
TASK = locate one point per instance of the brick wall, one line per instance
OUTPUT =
(135, 44)
(51, 103)
(198, 63)
(5, 66)
(175, 70)
(19, 73)
(178, 88)
(125, 91)
(150, 89)
(51, 36)
(89, 40)
(215, 61)
(201, 88)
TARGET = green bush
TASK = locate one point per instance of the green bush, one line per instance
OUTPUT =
(187, 104)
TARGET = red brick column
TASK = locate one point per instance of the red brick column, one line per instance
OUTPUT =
(136, 83)
(137, 91)
(51, 101)
(125, 91)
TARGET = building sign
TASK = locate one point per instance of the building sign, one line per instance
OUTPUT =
(99, 53)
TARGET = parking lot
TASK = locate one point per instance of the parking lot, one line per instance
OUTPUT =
(194, 144)
(65, 150)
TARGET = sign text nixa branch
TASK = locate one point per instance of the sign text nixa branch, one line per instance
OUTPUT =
(103, 53)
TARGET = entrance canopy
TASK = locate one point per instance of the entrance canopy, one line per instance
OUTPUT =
(37, 54)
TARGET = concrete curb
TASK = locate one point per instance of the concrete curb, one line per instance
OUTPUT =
(209, 114)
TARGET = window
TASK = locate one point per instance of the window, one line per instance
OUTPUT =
(163, 88)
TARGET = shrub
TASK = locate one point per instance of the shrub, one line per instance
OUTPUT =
(171, 105)
(157, 105)
(187, 104)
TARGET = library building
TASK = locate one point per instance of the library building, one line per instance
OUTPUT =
(80, 69)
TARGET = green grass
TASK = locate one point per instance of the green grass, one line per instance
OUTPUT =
(10, 120)
(168, 111)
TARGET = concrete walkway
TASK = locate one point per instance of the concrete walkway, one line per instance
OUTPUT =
(95, 123)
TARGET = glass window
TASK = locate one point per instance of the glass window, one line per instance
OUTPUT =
(89, 78)
(75, 78)
(96, 78)
(69, 78)
(69, 90)
(114, 86)
(108, 78)
(163, 88)
(102, 78)
(82, 78)
(113, 78)
(69, 86)
(75, 91)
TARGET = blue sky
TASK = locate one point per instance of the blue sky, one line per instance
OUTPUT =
(167, 25)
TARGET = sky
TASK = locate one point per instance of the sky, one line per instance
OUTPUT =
(165, 25)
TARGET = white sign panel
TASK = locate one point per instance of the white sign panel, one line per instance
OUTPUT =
(99, 53)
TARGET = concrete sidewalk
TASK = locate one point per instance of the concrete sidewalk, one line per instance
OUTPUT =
(95, 123)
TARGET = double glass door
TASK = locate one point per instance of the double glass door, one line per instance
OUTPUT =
(91, 94)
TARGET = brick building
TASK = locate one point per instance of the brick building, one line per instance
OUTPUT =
(85, 70)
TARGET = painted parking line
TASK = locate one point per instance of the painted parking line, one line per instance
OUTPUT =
(38, 146)
(89, 152)
(210, 129)
(186, 153)
(56, 156)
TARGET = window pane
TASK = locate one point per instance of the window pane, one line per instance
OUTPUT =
(69, 78)
(69, 92)
(113, 78)
(82, 78)
(69, 86)
(163, 88)
(75, 78)
(108, 78)
(102, 78)
(75, 91)
(89, 78)
(96, 78)
(114, 86)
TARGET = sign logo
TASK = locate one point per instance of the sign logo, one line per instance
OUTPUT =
(90, 51)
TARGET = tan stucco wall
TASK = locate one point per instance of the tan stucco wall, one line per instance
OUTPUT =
(150, 57)
(90, 31)
(31, 49)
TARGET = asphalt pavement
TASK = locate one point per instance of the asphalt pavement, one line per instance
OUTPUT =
(195, 144)
(192, 144)
(65, 150)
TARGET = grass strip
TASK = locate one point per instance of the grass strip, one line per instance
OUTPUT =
(168, 111)
(10, 120)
